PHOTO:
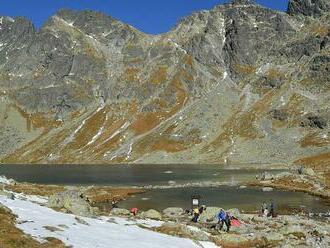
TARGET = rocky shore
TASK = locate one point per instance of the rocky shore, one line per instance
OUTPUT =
(300, 230)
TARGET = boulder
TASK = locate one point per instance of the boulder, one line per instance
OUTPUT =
(234, 211)
(73, 202)
(267, 189)
(7, 194)
(5, 180)
(275, 236)
(230, 240)
(120, 211)
(309, 172)
(209, 215)
(183, 230)
(265, 176)
(292, 229)
(173, 212)
(151, 214)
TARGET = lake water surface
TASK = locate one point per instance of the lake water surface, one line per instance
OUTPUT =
(226, 196)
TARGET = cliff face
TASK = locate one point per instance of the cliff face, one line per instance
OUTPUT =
(236, 84)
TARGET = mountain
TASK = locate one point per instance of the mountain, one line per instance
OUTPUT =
(239, 83)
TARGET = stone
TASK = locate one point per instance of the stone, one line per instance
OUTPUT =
(267, 189)
(8, 194)
(234, 211)
(274, 236)
(73, 202)
(228, 239)
(309, 172)
(120, 211)
(209, 215)
(151, 214)
(173, 212)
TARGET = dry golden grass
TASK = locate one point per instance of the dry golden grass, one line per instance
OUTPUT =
(34, 189)
(244, 69)
(319, 29)
(159, 75)
(320, 162)
(314, 139)
(131, 74)
(107, 194)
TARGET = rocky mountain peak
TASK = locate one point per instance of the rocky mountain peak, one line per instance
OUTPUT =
(308, 7)
(242, 2)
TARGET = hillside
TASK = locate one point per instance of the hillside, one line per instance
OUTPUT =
(239, 83)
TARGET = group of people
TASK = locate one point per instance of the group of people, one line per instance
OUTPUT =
(223, 218)
(268, 210)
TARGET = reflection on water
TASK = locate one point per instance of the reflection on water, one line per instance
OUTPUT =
(125, 175)
(248, 199)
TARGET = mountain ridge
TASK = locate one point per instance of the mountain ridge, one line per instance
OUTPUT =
(237, 83)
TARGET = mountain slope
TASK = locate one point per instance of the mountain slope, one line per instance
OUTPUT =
(236, 84)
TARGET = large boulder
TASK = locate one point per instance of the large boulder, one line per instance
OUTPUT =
(209, 214)
(173, 212)
(71, 201)
(151, 214)
(120, 211)
(230, 240)
(183, 230)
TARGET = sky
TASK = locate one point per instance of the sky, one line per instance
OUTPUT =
(149, 16)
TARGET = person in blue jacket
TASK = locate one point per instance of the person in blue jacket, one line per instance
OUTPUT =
(223, 218)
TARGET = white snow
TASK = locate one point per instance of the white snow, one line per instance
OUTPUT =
(4, 180)
(103, 232)
(96, 136)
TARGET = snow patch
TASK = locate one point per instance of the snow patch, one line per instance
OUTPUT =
(103, 232)
(96, 136)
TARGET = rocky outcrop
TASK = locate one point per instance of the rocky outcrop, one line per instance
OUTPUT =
(72, 202)
(236, 84)
(151, 214)
(308, 7)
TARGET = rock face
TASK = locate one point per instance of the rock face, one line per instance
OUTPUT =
(151, 214)
(72, 202)
(239, 83)
(308, 7)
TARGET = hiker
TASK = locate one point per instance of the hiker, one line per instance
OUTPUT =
(223, 218)
(134, 211)
(264, 209)
(114, 203)
(195, 215)
(271, 209)
(202, 209)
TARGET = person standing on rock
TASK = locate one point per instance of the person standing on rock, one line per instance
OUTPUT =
(196, 215)
(271, 209)
(223, 218)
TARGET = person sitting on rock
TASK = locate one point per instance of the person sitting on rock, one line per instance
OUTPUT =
(223, 218)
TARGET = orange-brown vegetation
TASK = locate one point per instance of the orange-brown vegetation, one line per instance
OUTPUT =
(319, 162)
(34, 189)
(314, 139)
(106, 194)
(242, 123)
(131, 74)
(159, 75)
(319, 29)
(244, 69)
